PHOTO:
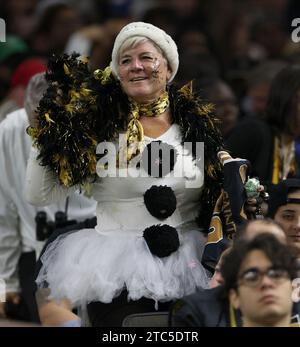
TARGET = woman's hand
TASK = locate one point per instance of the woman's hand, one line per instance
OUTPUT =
(257, 206)
(257, 197)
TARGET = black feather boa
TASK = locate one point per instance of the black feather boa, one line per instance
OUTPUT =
(81, 109)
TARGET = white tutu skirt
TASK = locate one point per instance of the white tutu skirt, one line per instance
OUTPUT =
(86, 266)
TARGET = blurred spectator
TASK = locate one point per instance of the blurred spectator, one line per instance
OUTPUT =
(88, 41)
(260, 226)
(217, 278)
(20, 244)
(111, 9)
(271, 144)
(163, 17)
(138, 7)
(55, 24)
(95, 41)
(217, 24)
(197, 67)
(12, 53)
(258, 87)
(19, 17)
(113, 25)
(239, 51)
(18, 84)
(221, 95)
(192, 40)
(188, 12)
(269, 32)
(243, 49)
(87, 9)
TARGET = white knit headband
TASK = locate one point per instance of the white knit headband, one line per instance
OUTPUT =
(161, 38)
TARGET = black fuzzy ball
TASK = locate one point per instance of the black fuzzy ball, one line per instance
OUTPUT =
(162, 240)
(158, 159)
(160, 201)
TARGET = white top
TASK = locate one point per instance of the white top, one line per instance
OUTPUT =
(17, 225)
(91, 265)
(121, 199)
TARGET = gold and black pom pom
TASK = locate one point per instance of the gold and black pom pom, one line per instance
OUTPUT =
(160, 201)
(79, 110)
(162, 240)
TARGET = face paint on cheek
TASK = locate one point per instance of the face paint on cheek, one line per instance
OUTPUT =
(155, 68)
(123, 73)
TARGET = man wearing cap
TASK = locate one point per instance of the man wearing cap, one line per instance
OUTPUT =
(284, 208)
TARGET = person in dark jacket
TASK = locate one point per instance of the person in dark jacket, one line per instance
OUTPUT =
(206, 308)
(271, 144)
(210, 307)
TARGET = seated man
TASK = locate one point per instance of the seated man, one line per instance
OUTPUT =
(258, 277)
(284, 208)
(210, 308)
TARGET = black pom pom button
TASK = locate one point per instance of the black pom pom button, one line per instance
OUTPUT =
(160, 201)
(162, 240)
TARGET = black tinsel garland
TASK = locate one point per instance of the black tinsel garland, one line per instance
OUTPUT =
(77, 112)
(198, 124)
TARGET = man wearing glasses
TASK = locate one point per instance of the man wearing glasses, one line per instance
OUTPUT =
(258, 277)
(211, 308)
